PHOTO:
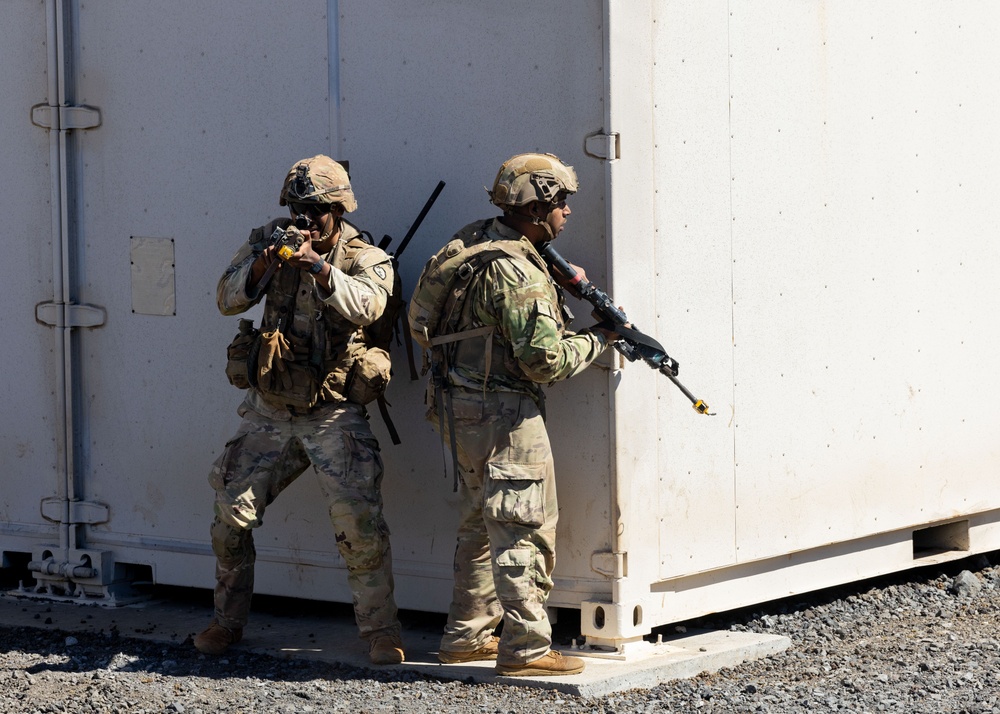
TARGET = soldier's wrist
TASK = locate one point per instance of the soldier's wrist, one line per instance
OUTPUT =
(317, 267)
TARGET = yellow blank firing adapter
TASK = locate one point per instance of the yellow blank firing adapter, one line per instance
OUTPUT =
(701, 407)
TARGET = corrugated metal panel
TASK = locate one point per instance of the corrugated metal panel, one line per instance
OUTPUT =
(204, 109)
(27, 421)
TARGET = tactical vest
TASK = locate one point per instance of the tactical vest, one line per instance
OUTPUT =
(327, 349)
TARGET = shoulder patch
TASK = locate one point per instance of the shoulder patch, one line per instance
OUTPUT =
(379, 271)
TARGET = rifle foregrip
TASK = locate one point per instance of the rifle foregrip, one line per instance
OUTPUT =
(559, 263)
(604, 306)
(601, 301)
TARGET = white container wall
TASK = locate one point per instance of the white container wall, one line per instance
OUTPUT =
(794, 198)
(28, 437)
(821, 227)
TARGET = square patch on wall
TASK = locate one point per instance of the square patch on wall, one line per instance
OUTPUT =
(153, 290)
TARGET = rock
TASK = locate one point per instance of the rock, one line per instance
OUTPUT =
(965, 585)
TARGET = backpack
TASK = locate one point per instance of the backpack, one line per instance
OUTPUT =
(383, 330)
(436, 308)
(436, 304)
(374, 369)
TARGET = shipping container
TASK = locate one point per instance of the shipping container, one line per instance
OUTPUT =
(795, 198)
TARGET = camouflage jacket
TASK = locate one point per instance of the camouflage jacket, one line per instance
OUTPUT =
(325, 329)
(531, 344)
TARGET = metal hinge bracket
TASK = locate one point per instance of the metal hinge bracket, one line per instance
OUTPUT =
(603, 146)
(65, 118)
(88, 512)
(53, 315)
(613, 565)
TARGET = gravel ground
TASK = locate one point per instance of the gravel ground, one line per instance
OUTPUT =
(922, 641)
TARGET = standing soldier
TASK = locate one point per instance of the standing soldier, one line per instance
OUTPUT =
(310, 370)
(487, 308)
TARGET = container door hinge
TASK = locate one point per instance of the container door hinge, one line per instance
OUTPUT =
(603, 146)
(87, 512)
(83, 575)
(613, 565)
(53, 314)
(65, 118)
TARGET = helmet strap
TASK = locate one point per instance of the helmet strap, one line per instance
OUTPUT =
(519, 215)
(543, 222)
(334, 228)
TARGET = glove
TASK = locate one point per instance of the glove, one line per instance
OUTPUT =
(272, 375)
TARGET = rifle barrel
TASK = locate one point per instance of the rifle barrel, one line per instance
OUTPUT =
(420, 218)
(604, 305)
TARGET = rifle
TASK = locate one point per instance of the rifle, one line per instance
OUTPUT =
(386, 239)
(384, 243)
(633, 345)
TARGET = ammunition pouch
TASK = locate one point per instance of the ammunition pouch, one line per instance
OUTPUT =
(282, 379)
(241, 354)
(291, 385)
(369, 376)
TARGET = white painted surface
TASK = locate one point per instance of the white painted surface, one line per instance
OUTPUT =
(801, 213)
(862, 251)
(27, 439)
(447, 91)
(201, 120)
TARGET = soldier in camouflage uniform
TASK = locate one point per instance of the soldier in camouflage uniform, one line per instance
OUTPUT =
(486, 392)
(305, 403)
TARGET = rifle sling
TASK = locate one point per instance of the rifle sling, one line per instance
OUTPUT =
(633, 335)
(383, 408)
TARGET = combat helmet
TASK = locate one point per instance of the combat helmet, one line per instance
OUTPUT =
(532, 177)
(318, 180)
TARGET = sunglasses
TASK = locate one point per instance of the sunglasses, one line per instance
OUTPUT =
(313, 210)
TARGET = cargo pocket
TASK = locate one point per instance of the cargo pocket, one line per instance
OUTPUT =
(517, 578)
(515, 493)
(362, 463)
(222, 468)
(240, 492)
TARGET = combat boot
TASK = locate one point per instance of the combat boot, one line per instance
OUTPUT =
(386, 649)
(215, 639)
(487, 652)
(551, 664)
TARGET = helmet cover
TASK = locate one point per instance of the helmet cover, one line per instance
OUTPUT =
(525, 178)
(318, 180)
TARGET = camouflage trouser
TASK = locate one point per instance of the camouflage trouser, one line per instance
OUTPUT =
(262, 459)
(506, 536)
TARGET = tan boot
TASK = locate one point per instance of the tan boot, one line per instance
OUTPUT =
(215, 639)
(386, 649)
(551, 664)
(487, 652)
